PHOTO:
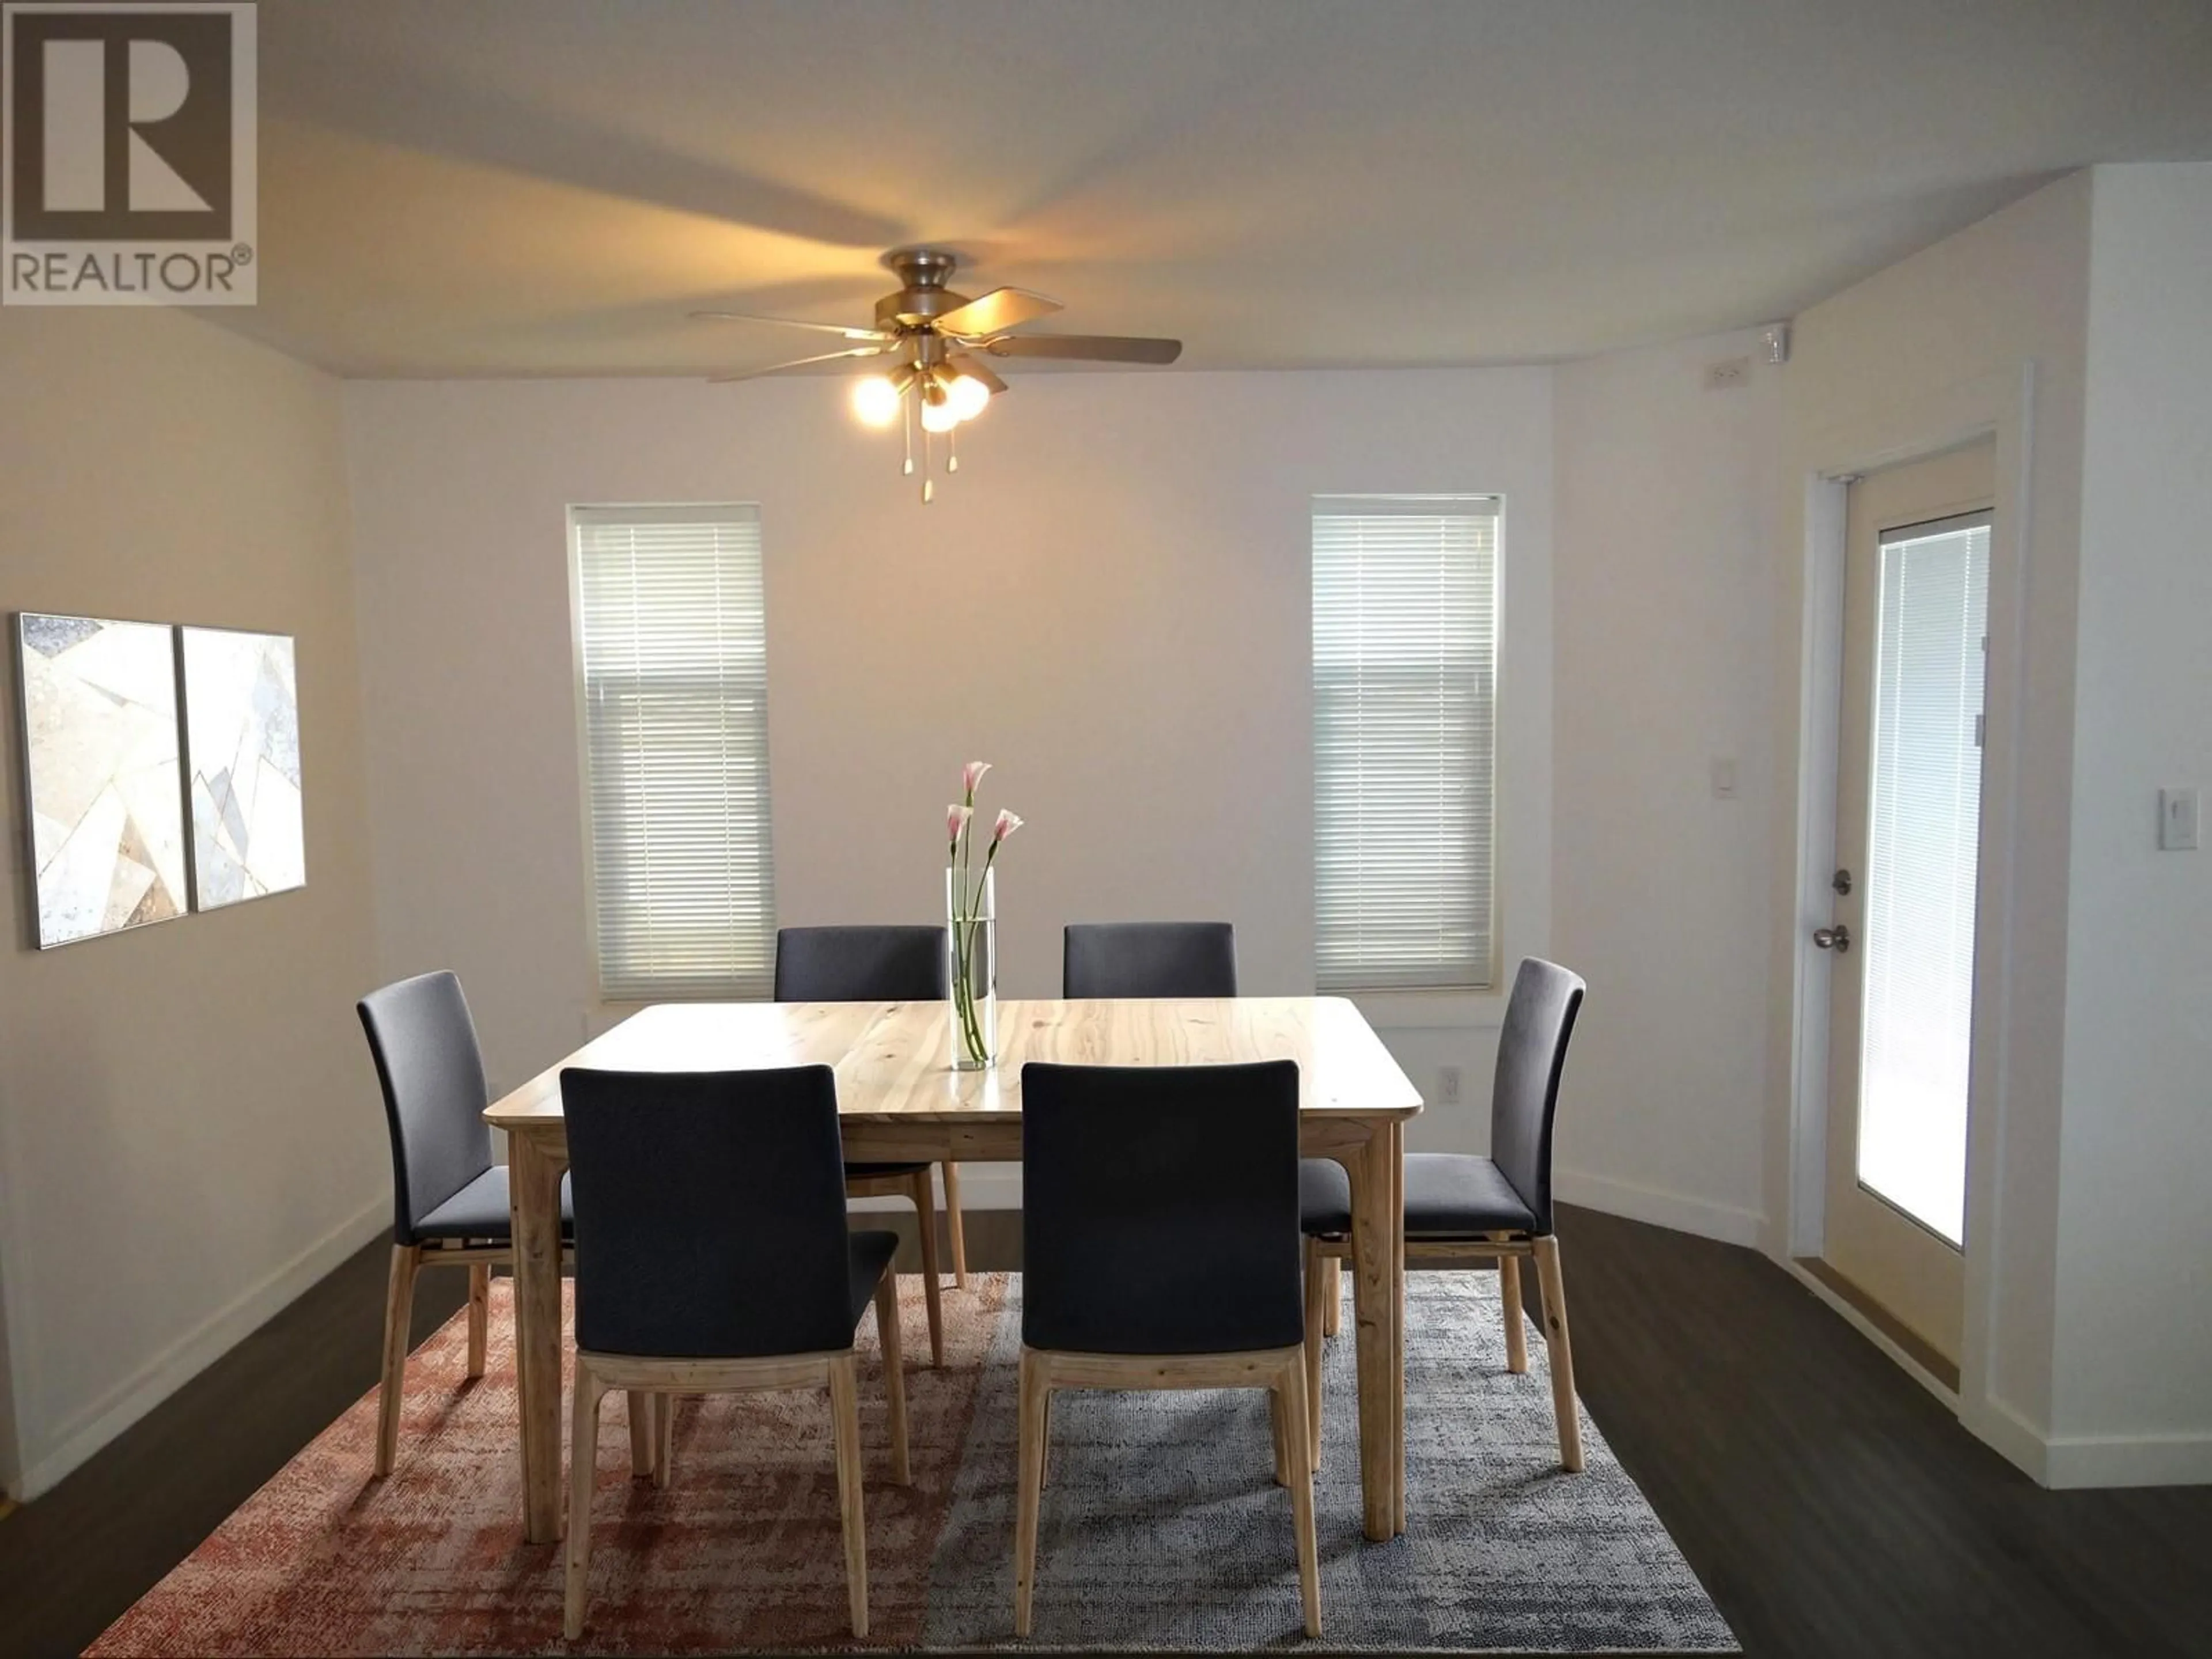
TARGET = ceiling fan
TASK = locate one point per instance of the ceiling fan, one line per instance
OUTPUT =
(935, 341)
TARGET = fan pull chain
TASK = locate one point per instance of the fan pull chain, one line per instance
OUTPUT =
(907, 404)
(952, 450)
(928, 485)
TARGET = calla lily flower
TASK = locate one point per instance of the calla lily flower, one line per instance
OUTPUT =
(1007, 824)
(956, 820)
(970, 775)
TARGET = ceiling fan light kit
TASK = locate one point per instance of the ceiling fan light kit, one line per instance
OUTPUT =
(939, 339)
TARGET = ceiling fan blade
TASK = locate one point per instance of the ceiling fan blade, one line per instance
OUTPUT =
(1001, 309)
(960, 363)
(838, 329)
(798, 362)
(1088, 347)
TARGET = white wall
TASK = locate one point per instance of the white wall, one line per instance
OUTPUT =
(189, 1128)
(1663, 594)
(2133, 1394)
(1111, 602)
(1936, 342)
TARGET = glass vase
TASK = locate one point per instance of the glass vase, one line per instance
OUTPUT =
(971, 950)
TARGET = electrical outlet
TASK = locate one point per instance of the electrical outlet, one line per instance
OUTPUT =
(1448, 1085)
(1728, 374)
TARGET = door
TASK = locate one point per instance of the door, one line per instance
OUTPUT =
(1900, 941)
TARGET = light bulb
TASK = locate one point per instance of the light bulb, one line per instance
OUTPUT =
(969, 396)
(939, 416)
(876, 401)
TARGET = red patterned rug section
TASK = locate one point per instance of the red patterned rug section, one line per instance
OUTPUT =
(742, 1550)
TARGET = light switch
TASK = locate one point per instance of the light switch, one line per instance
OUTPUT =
(2177, 820)
(1724, 780)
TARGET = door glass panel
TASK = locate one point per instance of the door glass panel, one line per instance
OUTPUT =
(1925, 819)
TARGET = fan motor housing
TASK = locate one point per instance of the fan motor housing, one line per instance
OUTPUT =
(923, 273)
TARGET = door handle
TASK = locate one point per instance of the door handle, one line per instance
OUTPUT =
(1837, 939)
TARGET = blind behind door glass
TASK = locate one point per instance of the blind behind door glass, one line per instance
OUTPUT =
(1922, 859)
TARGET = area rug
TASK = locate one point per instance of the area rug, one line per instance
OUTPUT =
(1161, 1530)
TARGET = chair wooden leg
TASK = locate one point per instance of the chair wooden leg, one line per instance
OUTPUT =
(1291, 1395)
(925, 1208)
(844, 1420)
(1557, 1352)
(398, 1310)
(583, 1461)
(1334, 1273)
(479, 1314)
(1317, 1280)
(1517, 1334)
(1036, 1401)
(887, 1331)
(644, 1434)
(1278, 1433)
(664, 1438)
(957, 1234)
(1044, 1458)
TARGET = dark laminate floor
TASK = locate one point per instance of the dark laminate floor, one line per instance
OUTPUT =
(1829, 1505)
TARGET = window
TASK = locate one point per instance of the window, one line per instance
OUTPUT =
(672, 655)
(1405, 666)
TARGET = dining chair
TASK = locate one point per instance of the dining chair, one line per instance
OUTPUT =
(1148, 959)
(1461, 1209)
(720, 1171)
(1160, 1250)
(884, 964)
(1163, 959)
(449, 1199)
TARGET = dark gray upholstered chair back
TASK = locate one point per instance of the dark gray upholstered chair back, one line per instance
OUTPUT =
(1148, 959)
(425, 1048)
(859, 964)
(710, 1213)
(1160, 1208)
(1532, 1052)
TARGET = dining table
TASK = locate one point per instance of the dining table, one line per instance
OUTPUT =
(900, 1098)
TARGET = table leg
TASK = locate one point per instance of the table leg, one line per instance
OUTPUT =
(1398, 1305)
(534, 1196)
(1376, 1234)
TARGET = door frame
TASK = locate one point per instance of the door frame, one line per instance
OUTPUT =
(1999, 406)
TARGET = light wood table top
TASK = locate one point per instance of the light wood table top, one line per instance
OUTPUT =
(893, 1059)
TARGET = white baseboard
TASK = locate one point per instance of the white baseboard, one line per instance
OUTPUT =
(2010, 1435)
(2078, 1461)
(44, 1466)
(2129, 1460)
(1683, 1213)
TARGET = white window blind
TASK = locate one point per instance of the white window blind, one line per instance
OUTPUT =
(673, 654)
(1922, 859)
(1405, 661)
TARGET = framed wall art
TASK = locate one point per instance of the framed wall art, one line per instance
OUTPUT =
(241, 720)
(98, 702)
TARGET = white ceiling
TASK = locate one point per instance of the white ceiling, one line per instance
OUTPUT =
(546, 186)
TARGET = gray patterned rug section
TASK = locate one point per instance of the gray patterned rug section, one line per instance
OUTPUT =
(1162, 1528)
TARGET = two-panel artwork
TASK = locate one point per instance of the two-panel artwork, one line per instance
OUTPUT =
(123, 724)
